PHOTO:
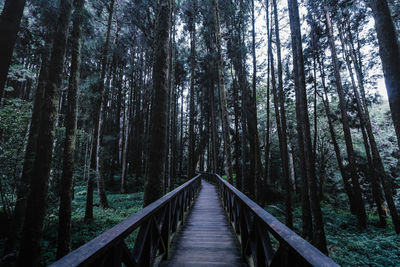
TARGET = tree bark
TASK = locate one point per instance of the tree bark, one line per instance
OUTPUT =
(10, 20)
(255, 141)
(378, 167)
(192, 138)
(373, 178)
(280, 112)
(213, 128)
(64, 214)
(157, 147)
(29, 254)
(325, 100)
(222, 96)
(319, 239)
(268, 128)
(174, 104)
(389, 51)
(124, 187)
(181, 137)
(30, 152)
(95, 153)
(358, 201)
(238, 165)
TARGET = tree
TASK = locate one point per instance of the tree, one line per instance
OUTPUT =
(30, 153)
(64, 215)
(36, 205)
(192, 139)
(157, 147)
(328, 113)
(95, 153)
(279, 103)
(377, 167)
(358, 201)
(373, 178)
(303, 121)
(256, 166)
(222, 96)
(10, 20)
(389, 51)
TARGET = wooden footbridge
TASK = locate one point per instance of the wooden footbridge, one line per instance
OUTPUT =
(204, 222)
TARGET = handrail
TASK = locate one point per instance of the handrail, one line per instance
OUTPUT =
(252, 225)
(158, 221)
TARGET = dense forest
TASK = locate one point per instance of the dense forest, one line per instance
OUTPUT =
(107, 105)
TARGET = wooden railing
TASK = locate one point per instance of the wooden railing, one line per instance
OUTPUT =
(158, 222)
(252, 226)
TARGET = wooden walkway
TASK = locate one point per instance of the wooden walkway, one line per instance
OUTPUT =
(206, 238)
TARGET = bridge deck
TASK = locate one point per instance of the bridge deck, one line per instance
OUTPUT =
(206, 239)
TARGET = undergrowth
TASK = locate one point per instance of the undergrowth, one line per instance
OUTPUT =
(349, 245)
(120, 207)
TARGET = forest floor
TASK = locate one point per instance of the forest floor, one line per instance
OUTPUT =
(121, 206)
(347, 244)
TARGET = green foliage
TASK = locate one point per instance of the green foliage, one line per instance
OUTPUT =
(20, 74)
(121, 207)
(14, 119)
(347, 244)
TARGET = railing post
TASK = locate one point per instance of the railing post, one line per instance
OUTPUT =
(141, 250)
(166, 230)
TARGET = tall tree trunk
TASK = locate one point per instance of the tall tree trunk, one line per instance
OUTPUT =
(181, 137)
(95, 153)
(301, 104)
(255, 142)
(30, 152)
(213, 128)
(306, 215)
(139, 122)
(29, 254)
(378, 167)
(315, 84)
(238, 164)
(359, 204)
(288, 208)
(124, 186)
(192, 139)
(280, 102)
(389, 51)
(10, 20)
(376, 189)
(268, 128)
(173, 101)
(222, 96)
(153, 188)
(325, 100)
(64, 214)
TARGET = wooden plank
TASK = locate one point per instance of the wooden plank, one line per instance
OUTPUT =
(206, 239)
(203, 264)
